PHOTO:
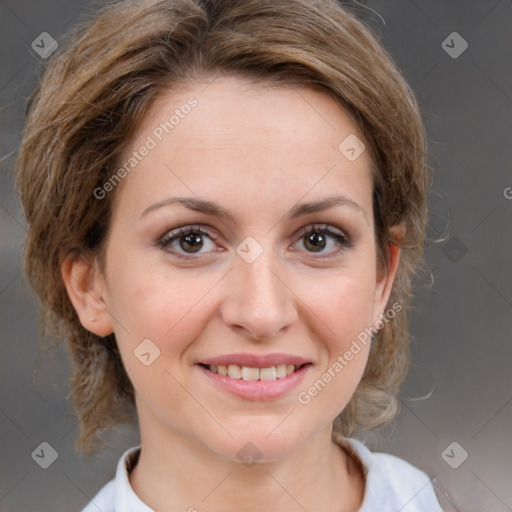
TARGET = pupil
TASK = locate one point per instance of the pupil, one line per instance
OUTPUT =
(317, 241)
(193, 241)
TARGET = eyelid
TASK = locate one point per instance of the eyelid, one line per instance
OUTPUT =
(322, 227)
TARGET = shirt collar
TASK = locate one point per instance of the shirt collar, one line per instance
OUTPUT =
(126, 500)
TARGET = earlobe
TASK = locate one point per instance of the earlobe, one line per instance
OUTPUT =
(86, 290)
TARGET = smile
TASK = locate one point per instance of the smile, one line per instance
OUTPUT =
(261, 381)
(235, 371)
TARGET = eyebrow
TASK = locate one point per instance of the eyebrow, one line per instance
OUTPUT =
(212, 208)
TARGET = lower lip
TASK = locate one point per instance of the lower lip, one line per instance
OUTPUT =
(257, 389)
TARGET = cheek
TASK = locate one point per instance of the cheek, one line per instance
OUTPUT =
(339, 313)
(149, 302)
(344, 303)
(170, 313)
(147, 294)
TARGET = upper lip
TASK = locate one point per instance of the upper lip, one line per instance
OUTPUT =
(255, 361)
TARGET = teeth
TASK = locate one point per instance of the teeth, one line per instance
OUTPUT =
(234, 371)
(281, 371)
(268, 373)
(248, 373)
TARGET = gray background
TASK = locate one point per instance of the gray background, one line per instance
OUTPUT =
(461, 324)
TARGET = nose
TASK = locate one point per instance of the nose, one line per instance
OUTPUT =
(258, 302)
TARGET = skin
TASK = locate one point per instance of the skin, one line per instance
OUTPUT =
(257, 151)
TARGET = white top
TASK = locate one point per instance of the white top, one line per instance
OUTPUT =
(392, 485)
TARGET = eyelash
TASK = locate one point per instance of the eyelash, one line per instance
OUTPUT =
(342, 241)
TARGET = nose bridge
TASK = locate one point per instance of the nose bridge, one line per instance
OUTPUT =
(257, 298)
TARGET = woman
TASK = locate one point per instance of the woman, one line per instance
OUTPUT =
(226, 202)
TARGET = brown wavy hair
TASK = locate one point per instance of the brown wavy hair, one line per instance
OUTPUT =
(96, 90)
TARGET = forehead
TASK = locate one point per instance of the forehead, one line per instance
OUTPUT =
(232, 140)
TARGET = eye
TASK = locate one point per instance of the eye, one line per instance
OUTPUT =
(317, 238)
(188, 240)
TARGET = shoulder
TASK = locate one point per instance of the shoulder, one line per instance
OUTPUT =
(118, 495)
(104, 500)
(393, 484)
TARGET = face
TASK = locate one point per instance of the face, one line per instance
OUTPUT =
(243, 239)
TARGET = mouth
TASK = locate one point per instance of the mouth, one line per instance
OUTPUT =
(255, 377)
(234, 371)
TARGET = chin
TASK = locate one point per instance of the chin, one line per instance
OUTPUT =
(261, 441)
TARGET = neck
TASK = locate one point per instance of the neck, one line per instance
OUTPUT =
(178, 471)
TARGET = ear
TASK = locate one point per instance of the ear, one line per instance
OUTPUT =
(386, 276)
(86, 289)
